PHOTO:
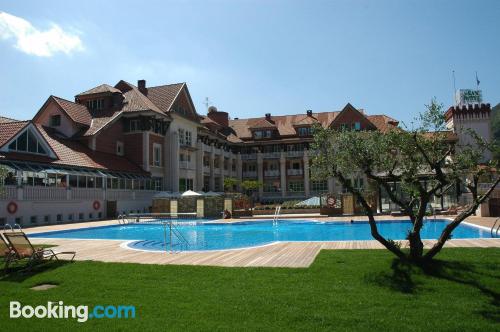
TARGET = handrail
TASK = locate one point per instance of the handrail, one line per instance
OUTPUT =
(17, 226)
(493, 227)
(276, 214)
(9, 226)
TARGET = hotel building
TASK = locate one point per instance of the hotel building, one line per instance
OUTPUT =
(112, 148)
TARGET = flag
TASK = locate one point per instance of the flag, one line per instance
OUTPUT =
(477, 80)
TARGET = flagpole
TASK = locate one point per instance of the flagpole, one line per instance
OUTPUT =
(454, 90)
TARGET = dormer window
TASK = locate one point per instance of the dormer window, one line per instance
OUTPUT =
(304, 131)
(27, 141)
(96, 104)
(258, 134)
(55, 120)
(119, 148)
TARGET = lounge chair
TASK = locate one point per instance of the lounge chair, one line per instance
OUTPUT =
(5, 250)
(23, 249)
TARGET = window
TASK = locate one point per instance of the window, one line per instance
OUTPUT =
(59, 217)
(27, 142)
(3, 221)
(91, 216)
(55, 120)
(19, 221)
(305, 131)
(263, 134)
(33, 219)
(70, 217)
(296, 186)
(80, 216)
(188, 138)
(46, 219)
(119, 148)
(134, 125)
(96, 104)
(99, 215)
(157, 184)
(206, 161)
(319, 185)
(182, 137)
(185, 184)
(156, 155)
(357, 126)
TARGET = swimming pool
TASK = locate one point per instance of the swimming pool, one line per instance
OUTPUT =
(219, 236)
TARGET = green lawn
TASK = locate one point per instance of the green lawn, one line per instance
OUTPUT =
(351, 290)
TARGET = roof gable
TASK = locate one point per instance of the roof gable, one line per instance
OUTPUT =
(77, 113)
(349, 115)
(33, 132)
(103, 88)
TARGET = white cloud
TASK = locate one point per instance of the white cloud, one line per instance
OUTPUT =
(33, 41)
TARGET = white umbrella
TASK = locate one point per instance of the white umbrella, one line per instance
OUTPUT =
(166, 194)
(190, 193)
(211, 193)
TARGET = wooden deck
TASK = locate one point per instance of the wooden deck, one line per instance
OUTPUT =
(282, 254)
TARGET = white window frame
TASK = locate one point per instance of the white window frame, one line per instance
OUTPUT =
(157, 161)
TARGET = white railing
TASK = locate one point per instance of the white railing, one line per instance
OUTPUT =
(86, 194)
(294, 171)
(206, 169)
(272, 155)
(116, 195)
(44, 193)
(185, 165)
(248, 156)
(295, 153)
(273, 172)
(250, 174)
(8, 192)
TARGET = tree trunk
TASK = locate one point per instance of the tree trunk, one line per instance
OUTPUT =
(416, 245)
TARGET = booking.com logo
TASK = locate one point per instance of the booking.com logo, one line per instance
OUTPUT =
(81, 313)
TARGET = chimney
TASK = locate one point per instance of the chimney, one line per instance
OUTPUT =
(221, 118)
(268, 116)
(309, 113)
(141, 84)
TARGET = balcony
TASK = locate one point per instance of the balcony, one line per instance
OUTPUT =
(185, 165)
(249, 156)
(295, 153)
(271, 155)
(206, 169)
(250, 174)
(272, 173)
(294, 172)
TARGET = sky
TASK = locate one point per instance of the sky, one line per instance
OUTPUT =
(252, 57)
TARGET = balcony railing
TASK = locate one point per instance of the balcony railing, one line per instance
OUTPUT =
(294, 171)
(273, 155)
(206, 169)
(248, 156)
(44, 193)
(250, 174)
(185, 165)
(295, 153)
(272, 173)
(8, 192)
(86, 194)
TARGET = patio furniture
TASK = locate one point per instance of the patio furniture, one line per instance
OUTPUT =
(22, 248)
(5, 249)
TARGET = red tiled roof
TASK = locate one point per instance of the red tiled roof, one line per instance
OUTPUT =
(100, 89)
(164, 96)
(7, 120)
(100, 120)
(285, 123)
(77, 112)
(10, 129)
(73, 153)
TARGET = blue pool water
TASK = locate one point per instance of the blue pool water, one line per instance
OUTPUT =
(216, 236)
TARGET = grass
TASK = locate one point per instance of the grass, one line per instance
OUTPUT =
(344, 290)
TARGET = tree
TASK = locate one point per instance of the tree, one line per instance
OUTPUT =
(230, 183)
(3, 175)
(250, 186)
(424, 162)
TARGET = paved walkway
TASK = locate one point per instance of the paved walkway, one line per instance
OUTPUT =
(282, 254)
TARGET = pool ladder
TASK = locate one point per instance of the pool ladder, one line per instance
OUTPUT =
(6, 227)
(495, 228)
(276, 215)
(171, 231)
